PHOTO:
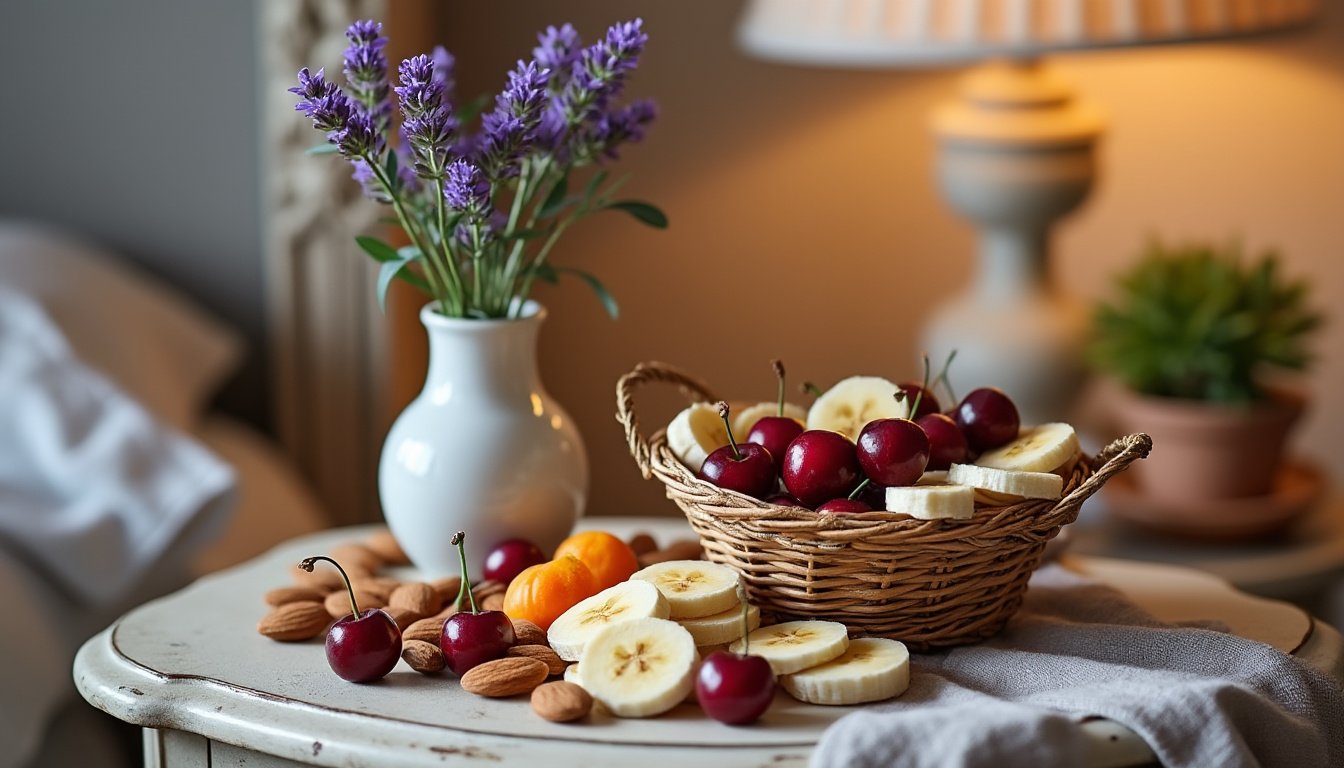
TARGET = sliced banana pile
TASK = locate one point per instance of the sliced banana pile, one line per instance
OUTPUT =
(695, 433)
(870, 669)
(639, 668)
(746, 418)
(853, 402)
(625, 601)
(693, 588)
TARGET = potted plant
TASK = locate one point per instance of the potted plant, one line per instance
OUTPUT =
(482, 191)
(1191, 337)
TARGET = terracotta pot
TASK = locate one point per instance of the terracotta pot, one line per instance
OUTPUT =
(1205, 451)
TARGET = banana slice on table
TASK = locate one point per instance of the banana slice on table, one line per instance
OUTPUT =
(746, 418)
(722, 627)
(625, 601)
(797, 645)
(853, 402)
(695, 433)
(1042, 448)
(1027, 485)
(871, 669)
(640, 668)
(572, 675)
(932, 502)
(693, 588)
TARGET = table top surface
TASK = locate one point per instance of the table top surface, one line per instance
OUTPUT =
(193, 661)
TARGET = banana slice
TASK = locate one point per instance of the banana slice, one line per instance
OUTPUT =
(796, 645)
(1028, 485)
(693, 588)
(871, 669)
(639, 668)
(746, 418)
(853, 402)
(627, 600)
(1037, 449)
(695, 433)
(933, 477)
(572, 675)
(932, 502)
(722, 627)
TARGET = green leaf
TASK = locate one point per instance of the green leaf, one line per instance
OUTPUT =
(603, 295)
(468, 112)
(321, 149)
(390, 166)
(593, 184)
(556, 200)
(398, 268)
(545, 273)
(644, 212)
(379, 250)
(409, 252)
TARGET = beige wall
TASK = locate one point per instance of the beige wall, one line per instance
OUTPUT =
(805, 224)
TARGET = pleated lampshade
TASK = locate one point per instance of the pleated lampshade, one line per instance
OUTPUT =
(897, 33)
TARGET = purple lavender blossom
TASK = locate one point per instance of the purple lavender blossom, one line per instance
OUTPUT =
(513, 124)
(368, 181)
(467, 189)
(624, 125)
(322, 102)
(558, 49)
(366, 69)
(360, 137)
(599, 74)
(445, 67)
(427, 125)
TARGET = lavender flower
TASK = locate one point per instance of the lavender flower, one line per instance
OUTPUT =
(426, 125)
(444, 68)
(599, 74)
(558, 49)
(322, 102)
(360, 137)
(467, 189)
(624, 125)
(366, 69)
(513, 124)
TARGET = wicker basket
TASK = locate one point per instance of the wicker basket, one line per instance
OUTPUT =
(926, 583)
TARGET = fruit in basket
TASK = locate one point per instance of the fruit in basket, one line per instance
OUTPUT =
(932, 502)
(1006, 482)
(796, 645)
(775, 431)
(543, 592)
(639, 668)
(747, 418)
(853, 402)
(694, 433)
(1042, 448)
(922, 400)
(509, 558)
(735, 688)
(845, 506)
(947, 444)
(747, 468)
(987, 417)
(893, 451)
(870, 669)
(472, 638)
(609, 558)
(783, 500)
(820, 465)
(635, 599)
(693, 588)
(363, 646)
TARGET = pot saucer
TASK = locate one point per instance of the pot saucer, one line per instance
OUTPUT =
(1298, 486)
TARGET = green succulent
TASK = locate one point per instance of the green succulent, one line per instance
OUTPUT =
(1195, 322)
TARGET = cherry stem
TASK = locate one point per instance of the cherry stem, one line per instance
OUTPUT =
(458, 541)
(723, 414)
(809, 388)
(307, 565)
(942, 376)
(914, 409)
(854, 493)
(746, 611)
(779, 374)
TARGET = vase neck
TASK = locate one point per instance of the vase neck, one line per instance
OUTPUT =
(498, 358)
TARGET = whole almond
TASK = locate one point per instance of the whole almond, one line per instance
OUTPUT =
(541, 653)
(425, 658)
(493, 602)
(416, 596)
(686, 549)
(356, 556)
(447, 587)
(528, 633)
(642, 543)
(284, 595)
(488, 587)
(427, 630)
(508, 676)
(323, 578)
(403, 617)
(338, 603)
(561, 702)
(301, 620)
(385, 546)
(379, 586)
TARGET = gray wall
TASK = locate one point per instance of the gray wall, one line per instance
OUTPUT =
(135, 123)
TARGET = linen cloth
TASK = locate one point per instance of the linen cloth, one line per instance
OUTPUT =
(1198, 696)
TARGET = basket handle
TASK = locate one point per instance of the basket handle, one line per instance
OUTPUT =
(1113, 459)
(692, 388)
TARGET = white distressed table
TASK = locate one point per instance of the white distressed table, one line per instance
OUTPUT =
(209, 691)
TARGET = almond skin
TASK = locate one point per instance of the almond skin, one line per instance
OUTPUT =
(284, 595)
(402, 617)
(416, 596)
(385, 546)
(686, 549)
(427, 630)
(528, 633)
(551, 659)
(508, 676)
(379, 586)
(338, 603)
(302, 620)
(425, 658)
(447, 587)
(488, 587)
(356, 556)
(642, 543)
(493, 602)
(561, 702)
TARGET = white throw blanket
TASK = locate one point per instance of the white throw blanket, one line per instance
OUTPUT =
(97, 498)
(1198, 696)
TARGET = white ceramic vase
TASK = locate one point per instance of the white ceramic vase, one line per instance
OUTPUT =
(482, 449)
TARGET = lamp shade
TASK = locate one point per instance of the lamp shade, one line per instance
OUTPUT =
(897, 33)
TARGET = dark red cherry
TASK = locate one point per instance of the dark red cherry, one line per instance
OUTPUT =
(820, 465)
(363, 646)
(988, 418)
(734, 689)
(947, 445)
(783, 500)
(747, 468)
(845, 506)
(893, 451)
(472, 637)
(775, 433)
(510, 557)
(927, 402)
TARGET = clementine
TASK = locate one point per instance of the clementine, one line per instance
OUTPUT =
(610, 559)
(542, 592)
